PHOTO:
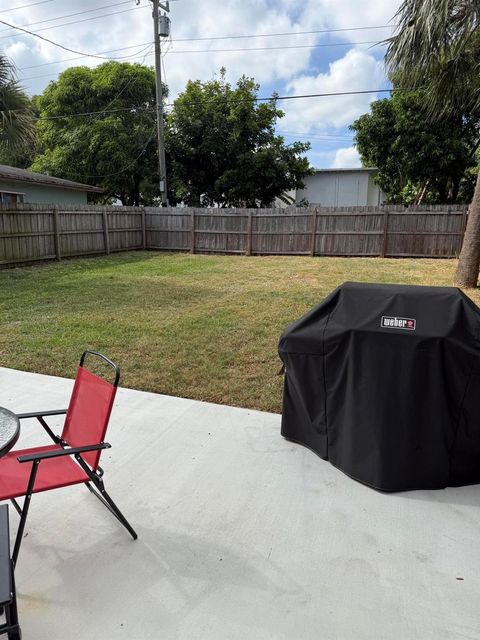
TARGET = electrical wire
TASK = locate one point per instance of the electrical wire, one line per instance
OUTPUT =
(130, 58)
(130, 164)
(125, 168)
(285, 33)
(133, 78)
(70, 15)
(26, 6)
(170, 51)
(46, 64)
(56, 44)
(315, 136)
(64, 24)
(296, 46)
(259, 35)
(261, 99)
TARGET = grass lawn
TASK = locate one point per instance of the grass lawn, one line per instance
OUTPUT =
(203, 327)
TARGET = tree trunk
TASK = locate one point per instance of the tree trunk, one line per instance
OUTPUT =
(455, 189)
(469, 261)
(136, 192)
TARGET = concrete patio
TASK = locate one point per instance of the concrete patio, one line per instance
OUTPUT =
(242, 535)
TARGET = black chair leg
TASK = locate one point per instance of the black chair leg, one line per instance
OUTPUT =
(23, 517)
(11, 614)
(107, 501)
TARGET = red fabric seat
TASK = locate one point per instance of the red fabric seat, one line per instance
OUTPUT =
(51, 474)
(74, 456)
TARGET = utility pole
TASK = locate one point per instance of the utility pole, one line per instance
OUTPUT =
(160, 28)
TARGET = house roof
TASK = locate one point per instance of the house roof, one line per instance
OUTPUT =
(22, 175)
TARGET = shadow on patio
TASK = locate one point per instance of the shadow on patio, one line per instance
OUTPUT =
(241, 535)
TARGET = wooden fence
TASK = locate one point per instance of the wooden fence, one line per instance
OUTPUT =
(45, 232)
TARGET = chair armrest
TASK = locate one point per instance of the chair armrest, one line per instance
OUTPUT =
(57, 453)
(40, 414)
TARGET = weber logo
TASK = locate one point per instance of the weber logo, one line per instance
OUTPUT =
(392, 322)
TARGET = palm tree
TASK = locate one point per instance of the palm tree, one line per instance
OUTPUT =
(16, 116)
(437, 48)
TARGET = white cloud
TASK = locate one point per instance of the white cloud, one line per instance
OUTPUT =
(346, 158)
(189, 19)
(356, 71)
(345, 14)
(281, 67)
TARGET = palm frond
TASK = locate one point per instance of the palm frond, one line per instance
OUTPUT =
(436, 47)
(17, 128)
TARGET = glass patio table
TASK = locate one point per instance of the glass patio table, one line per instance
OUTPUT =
(9, 430)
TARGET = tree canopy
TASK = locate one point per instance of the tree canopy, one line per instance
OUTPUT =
(115, 146)
(437, 49)
(418, 160)
(223, 149)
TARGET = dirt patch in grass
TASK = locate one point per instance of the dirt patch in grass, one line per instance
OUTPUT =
(203, 327)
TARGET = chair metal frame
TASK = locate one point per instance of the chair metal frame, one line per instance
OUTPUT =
(8, 595)
(94, 484)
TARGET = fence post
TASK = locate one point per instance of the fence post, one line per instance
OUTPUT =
(144, 229)
(385, 234)
(314, 231)
(106, 237)
(56, 231)
(249, 234)
(192, 228)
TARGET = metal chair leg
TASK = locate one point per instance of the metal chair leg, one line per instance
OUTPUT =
(107, 501)
(23, 517)
(11, 613)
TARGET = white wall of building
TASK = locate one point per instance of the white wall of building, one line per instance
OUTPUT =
(341, 188)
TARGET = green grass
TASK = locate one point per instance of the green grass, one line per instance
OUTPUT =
(203, 327)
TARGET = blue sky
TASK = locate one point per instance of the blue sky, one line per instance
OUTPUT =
(297, 63)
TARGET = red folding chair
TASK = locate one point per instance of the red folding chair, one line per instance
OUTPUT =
(74, 457)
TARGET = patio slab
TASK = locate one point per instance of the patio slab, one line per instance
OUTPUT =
(242, 535)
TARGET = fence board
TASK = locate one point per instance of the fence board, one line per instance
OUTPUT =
(43, 232)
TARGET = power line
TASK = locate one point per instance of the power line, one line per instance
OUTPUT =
(324, 95)
(56, 44)
(130, 164)
(46, 64)
(171, 51)
(132, 57)
(315, 136)
(286, 33)
(296, 46)
(25, 6)
(133, 78)
(116, 173)
(132, 109)
(260, 35)
(137, 109)
(70, 15)
(64, 24)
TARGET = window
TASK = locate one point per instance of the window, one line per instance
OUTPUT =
(8, 197)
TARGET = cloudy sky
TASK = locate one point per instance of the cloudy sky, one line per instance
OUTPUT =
(293, 47)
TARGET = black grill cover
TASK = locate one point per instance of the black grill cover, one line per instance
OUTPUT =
(384, 381)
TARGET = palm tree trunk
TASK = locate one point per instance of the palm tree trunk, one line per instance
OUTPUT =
(469, 260)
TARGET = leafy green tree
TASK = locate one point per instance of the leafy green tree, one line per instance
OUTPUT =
(115, 147)
(223, 149)
(418, 160)
(437, 48)
(17, 128)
